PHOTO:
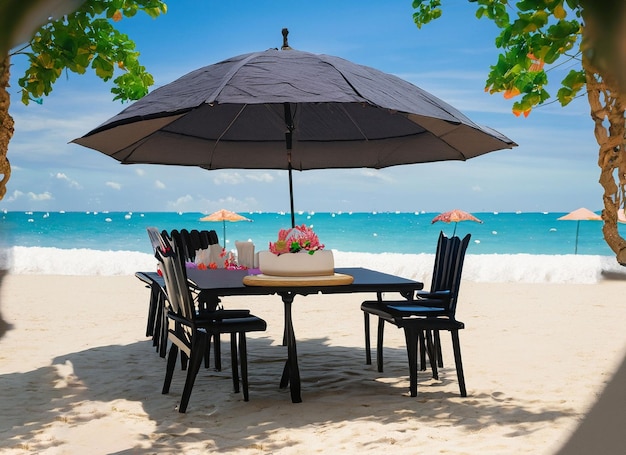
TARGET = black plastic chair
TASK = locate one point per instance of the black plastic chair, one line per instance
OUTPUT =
(204, 239)
(156, 284)
(188, 242)
(426, 315)
(190, 331)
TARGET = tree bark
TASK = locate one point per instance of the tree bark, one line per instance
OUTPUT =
(6, 123)
(607, 112)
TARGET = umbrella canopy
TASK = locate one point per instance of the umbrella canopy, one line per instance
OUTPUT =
(224, 215)
(454, 216)
(581, 214)
(578, 215)
(290, 110)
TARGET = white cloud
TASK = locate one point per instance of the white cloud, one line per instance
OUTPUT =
(182, 203)
(45, 196)
(477, 189)
(114, 185)
(228, 178)
(16, 195)
(376, 174)
(265, 177)
(140, 172)
(159, 184)
(70, 182)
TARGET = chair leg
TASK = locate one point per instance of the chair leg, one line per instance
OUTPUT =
(234, 362)
(422, 349)
(162, 327)
(207, 354)
(152, 310)
(200, 342)
(217, 349)
(379, 344)
(368, 349)
(432, 353)
(411, 336)
(157, 324)
(456, 345)
(243, 355)
(184, 361)
(437, 340)
(169, 369)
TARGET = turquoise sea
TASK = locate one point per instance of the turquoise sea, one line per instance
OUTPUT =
(382, 232)
(505, 246)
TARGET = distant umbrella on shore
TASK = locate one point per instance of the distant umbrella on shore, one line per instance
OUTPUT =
(224, 215)
(454, 216)
(578, 215)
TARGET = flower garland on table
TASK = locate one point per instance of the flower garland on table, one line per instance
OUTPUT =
(230, 263)
(295, 240)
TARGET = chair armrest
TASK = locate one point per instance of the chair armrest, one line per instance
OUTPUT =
(224, 314)
(437, 295)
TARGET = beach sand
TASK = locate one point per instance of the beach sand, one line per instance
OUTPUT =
(78, 375)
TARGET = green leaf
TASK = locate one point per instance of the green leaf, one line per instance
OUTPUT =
(575, 80)
(426, 12)
(87, 39)
(565, 95)
(103, 67)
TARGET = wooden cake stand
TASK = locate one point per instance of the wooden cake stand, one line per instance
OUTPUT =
(337, 279)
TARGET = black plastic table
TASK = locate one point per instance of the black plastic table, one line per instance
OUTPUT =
(222, 283)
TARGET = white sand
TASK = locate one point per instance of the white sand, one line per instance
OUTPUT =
(78, 375)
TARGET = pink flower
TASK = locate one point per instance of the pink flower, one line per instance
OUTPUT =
(300, 238)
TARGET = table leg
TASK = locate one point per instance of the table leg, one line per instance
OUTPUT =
(291, 372)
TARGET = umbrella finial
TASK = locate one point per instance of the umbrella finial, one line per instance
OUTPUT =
(285, 43)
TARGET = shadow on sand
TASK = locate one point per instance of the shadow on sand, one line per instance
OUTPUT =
(221, 421)
(4, 326)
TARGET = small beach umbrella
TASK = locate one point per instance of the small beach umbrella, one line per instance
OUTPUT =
(578, 215)
(292, 110)
(224, 215)
(454, 216)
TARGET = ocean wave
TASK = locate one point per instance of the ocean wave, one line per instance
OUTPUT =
(522, 268)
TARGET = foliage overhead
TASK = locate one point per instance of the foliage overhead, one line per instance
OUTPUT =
(587, 35)
(87, 39)
(539, 33)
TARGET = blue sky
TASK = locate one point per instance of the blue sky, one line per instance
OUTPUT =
(554, 168)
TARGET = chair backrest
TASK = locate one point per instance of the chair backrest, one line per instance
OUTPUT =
(448, 267)
(204, 239)
(175, 277)
(186, 249)
(195, 241)
(155, 238)
(213, 239)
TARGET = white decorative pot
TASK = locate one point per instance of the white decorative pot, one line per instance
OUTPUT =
(320, 263)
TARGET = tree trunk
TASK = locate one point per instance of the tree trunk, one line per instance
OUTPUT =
(6, 123)
(606, 106)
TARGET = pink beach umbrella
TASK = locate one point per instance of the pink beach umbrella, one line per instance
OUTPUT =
(224, 215)
(454, 216)
(578, 215)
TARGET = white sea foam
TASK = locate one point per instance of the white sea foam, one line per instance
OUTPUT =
(524, 268)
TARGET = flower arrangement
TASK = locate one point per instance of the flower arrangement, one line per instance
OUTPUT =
(295, 240)
(228, 258)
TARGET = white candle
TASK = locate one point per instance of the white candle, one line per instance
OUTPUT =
(245, 253)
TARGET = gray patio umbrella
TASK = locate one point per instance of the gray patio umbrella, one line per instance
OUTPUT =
(288, 109)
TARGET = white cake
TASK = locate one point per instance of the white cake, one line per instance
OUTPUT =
(321, 263)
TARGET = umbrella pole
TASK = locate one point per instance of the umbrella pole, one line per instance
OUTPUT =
(293, 217)
(288, 144)
(224, 231)
(576, 245)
